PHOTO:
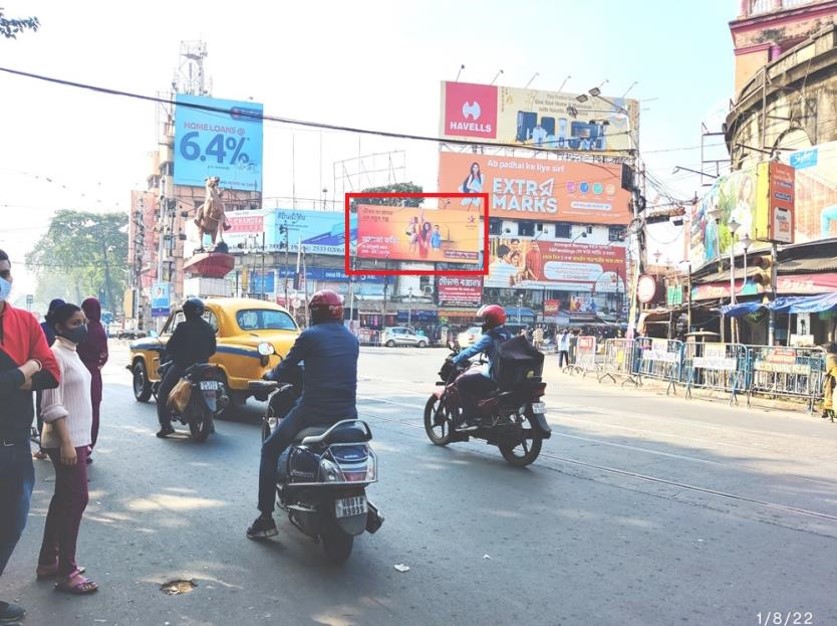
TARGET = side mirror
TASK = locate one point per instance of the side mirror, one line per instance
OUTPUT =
(153, 334)
(451, 346)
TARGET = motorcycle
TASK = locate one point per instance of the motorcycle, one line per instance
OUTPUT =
(208, 398)
(511, 417)
(323, 475)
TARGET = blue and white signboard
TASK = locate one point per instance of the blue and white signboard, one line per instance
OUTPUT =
(223, 139)
(802, 159)
(160, 299)
(319, 232)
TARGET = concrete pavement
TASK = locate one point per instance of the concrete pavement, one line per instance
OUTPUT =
(642, 509)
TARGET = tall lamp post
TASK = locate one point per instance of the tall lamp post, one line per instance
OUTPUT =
(733, 228)
(519, 307)
(410, 307)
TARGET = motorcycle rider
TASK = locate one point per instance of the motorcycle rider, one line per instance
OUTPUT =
(476, 384)
(329, 390)
(193, 341)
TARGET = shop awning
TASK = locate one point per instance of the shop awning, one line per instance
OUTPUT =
(806, 304)
(742, 309)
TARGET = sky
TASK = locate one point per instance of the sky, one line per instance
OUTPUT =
(366, 63)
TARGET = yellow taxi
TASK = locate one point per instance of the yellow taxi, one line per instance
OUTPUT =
(251, 335)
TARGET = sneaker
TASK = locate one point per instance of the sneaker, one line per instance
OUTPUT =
(11, 612)
(466, 425)
(165, 431)
(262, 528)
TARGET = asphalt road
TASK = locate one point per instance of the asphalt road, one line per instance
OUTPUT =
(642, 509)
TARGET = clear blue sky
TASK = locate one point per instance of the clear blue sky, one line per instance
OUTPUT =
(365, 63)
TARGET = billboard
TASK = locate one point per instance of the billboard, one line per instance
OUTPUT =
(160, 299)
(319, 232)
(774, 203)
(224, 139)
(459, 291)
(527, 263)
(543, 119)
(815, 210)
(451, 233)
(539, 189)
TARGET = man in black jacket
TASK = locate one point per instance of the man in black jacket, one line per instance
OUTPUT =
(193, 341)
(26, 364)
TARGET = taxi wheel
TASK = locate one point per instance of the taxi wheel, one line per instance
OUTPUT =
(141, 385)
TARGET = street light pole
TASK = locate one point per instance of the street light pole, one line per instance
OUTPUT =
(410, 307)
(733, 228)
(519, 307)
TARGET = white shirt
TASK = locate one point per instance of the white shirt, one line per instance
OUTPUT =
(70, 400)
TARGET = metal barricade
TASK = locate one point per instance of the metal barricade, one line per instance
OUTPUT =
(618, 361)
(661, 359)
(585, 356)
(786, 373)
(715, 366)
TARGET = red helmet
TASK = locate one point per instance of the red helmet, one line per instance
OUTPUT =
(491, 316)
(326, 306)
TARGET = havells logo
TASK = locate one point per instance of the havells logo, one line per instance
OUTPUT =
(470, 110)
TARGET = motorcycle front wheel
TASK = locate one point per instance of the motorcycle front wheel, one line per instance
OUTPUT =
(437, 421)
(526, 450)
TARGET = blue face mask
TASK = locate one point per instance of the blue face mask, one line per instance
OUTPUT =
(5, 289)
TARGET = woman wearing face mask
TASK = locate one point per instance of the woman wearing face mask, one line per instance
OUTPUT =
(68, 417)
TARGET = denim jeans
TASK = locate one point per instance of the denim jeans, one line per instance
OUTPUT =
(272, 448)
(17, 477)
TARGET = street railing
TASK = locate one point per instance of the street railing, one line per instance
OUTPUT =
(717, 367)
(618, 362)
(786, 373)
(661, 359)
(586, 357)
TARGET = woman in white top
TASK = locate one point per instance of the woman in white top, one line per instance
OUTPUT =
(68, 415)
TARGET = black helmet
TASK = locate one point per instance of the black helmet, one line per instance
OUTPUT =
(193, 308)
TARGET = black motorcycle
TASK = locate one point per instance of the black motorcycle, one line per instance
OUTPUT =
(511, 417)
(208, 398)
(323, 475)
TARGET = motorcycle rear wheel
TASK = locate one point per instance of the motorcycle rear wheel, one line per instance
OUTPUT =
(437, 421)
(337, 543)
(525, 452)
(200, 429)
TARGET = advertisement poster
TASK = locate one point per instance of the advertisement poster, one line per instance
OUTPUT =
(543, 119)
(815, 209)
(451, 233)
(774, 203)
(160, 299)
(526, 263)
(224, 140)
(539, 189)
(459, 291)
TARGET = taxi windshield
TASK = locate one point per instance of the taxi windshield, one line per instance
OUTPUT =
(264, 319)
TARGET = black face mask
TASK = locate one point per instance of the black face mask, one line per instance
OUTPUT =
(76, 335)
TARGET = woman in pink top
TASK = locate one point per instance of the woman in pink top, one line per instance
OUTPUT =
(67, 412)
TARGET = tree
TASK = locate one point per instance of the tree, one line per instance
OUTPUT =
(394, 189)
(10, 27)
(90, 249)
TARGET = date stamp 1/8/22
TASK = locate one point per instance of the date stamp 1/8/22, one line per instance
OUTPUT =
(785, 618)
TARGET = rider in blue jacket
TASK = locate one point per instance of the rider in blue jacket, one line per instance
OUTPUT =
(475, 385)
(329, 354)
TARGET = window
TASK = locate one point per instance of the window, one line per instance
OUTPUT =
(264, 319)
(209, 316)
(615, 233)
(563, 230)
(526, 228)
(173, 322)
(495, 226)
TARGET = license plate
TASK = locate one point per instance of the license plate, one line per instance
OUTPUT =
(209, 385)
(538, 407)
(349, 507)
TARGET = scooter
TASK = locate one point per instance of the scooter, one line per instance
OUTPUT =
(323, 475)
(208, 398)
(511, 417)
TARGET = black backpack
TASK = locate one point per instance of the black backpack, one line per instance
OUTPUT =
(517, 361)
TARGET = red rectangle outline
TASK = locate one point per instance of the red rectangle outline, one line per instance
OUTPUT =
(367, 272)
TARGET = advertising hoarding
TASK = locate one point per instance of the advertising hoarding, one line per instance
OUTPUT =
(459, 290)
(223, 139)
(539, 189)
(319, 232)
(815, 208)
(774, 203)
(160, 299)
(525, 263)
(543, 119)
(450, 233)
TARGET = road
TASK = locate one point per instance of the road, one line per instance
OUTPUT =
(642, 509)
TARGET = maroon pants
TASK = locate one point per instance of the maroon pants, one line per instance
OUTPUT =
(65, 512)
(94, 434)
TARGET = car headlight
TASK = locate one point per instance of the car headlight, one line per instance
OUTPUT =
(266, 349)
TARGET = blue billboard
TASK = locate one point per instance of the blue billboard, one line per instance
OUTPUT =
(215, 137)
(319, 232)
(160, 299)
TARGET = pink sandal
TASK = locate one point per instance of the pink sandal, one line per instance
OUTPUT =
(45, 572)
(77, 584)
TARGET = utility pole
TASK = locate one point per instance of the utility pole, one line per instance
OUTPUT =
(771, 324)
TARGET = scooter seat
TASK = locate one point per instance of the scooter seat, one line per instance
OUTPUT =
(311, 431)
(348, 431)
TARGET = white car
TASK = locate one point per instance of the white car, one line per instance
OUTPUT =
(402, 336)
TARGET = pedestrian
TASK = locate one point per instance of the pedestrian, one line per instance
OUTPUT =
(93, 352)
(26, 364)
(41, 454)
(564, 349)
(537, 338)
(68, 420)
